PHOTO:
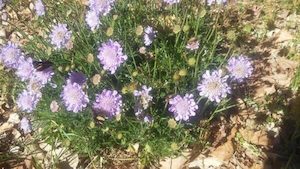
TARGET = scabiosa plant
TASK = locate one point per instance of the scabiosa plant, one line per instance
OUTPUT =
(27, 101)
(108, 103)
(111, 56)
(25, 125)
(102, 7)
(194, 45)
(214, 86)
(239, 68)
(43, 76)
(183, 107)
(171, 2)
(39, 8)
(60, 36)
(92, 19)
(142, 99)
(25, 70)
(149, 35)
(74, 97)
(10, 55)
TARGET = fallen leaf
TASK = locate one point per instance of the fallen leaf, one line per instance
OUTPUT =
(5, 127)
(255, 137)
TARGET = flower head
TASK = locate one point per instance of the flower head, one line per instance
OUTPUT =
(27, 101)
(214, 86)
(194, 45)
(101, 7)
(2, 4)
(54, 106)
(43, 76)
(183, 107)
(92, 19)
(60, 36)
(142, 100)
(149, 35)
(39, 8)
(239, 68)
(108, 103)
(10, 55)
(74, 97)
(171, 2)
(148, 119)
(111, 56)
(25, 69)
(25, 125)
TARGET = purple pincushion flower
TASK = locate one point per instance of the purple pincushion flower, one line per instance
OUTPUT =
(148, 119)
(10, 55)
(2, 4)
(171, 2)
(92, 19)
(39, 8)
(43, 76)
(219, 2)
(239, 68)
(25, 125)
(25, 70)
(183, 107)
(142, 100)
(149, 35)
(27, 101)
(74, 97)
(193, 45)
(101, 7)
(214, 86)
(111, 56)
(60, 36)
(108, 103)
(77, 77)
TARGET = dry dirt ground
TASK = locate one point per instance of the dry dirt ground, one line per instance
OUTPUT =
(250, 136)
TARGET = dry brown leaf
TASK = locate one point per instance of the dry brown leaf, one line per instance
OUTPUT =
(5, 127)
(224, 152)
(255, 137)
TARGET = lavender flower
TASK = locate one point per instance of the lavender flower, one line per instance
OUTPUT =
(25, 69)
(27, 101)
(43, 76)
(239, 68)
(74, 97)
(102, 7)
(34, 86)
(2, 4)
(92, 19)
(39, 8)
(108, 103)
(149, 35)
(60, 36)
(142, 100)
(77, 77)
(148, 119)
(111, 56)
(10, 55)
(25, 125)
(194, 45)
(183, 107)
(210, 2)
(214, 86)
(171, 2)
